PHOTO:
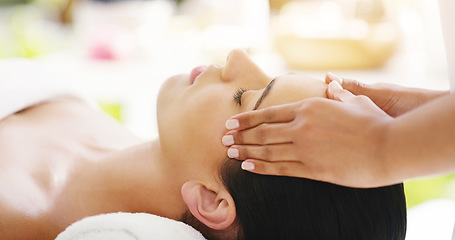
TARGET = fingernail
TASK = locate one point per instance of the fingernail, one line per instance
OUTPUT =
(232, 124)
(247, 166)
(227, 140)
(336, 86)
(233, 153)
(335, 77)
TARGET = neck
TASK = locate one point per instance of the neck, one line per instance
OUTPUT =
(137, 179)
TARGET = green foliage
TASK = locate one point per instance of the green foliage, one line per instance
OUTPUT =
(24, 28)
(420, 190)
(113, 109)
(12, 2)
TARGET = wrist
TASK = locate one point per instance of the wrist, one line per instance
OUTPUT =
(432, 94)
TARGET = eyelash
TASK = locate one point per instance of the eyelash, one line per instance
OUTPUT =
(238, 96)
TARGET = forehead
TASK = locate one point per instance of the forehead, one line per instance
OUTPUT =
(294, 87)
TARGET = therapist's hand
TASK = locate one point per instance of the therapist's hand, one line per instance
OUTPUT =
(337, 141)
(395, 100)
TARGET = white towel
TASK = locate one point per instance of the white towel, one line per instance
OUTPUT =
(129, 226)
(24, 83)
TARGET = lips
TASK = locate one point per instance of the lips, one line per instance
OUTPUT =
(196, 72)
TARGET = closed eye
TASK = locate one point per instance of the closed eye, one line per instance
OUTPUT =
(238, 96)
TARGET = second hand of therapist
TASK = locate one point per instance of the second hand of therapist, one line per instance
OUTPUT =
(369, 136)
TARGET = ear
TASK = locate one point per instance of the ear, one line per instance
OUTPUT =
(214, 208)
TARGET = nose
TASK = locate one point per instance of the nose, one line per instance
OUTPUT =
(239, 66)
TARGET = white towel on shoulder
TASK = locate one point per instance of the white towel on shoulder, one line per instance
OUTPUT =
(129, 226)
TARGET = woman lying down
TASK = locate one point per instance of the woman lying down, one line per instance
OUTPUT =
(62, 161)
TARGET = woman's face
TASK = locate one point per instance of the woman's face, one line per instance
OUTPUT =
(192, 112)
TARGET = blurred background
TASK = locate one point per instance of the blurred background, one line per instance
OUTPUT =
(122, 50)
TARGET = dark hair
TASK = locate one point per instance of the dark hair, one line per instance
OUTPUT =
(276, 207)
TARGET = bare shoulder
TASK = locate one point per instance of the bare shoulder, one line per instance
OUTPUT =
(71, 119)
(38, 147)
(22, 227)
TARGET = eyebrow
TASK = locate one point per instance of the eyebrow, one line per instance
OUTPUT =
(264, 94)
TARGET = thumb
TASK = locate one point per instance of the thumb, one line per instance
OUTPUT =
(329, 77)
(336, 92)
(353, 86)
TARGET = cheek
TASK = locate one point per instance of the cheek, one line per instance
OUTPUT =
(203, 130)
(194, 125)
(206, 114)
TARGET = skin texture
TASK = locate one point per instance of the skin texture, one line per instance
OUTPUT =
(371, 135)
(61, 161)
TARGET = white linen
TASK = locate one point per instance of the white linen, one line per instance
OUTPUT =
(129, 226)
(24, 83)
(433, 219)
(447, 10)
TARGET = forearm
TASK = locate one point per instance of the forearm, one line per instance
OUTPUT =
(394, 99)
(420, 96)
(430, 95)
(422, 142)
(397, 100)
